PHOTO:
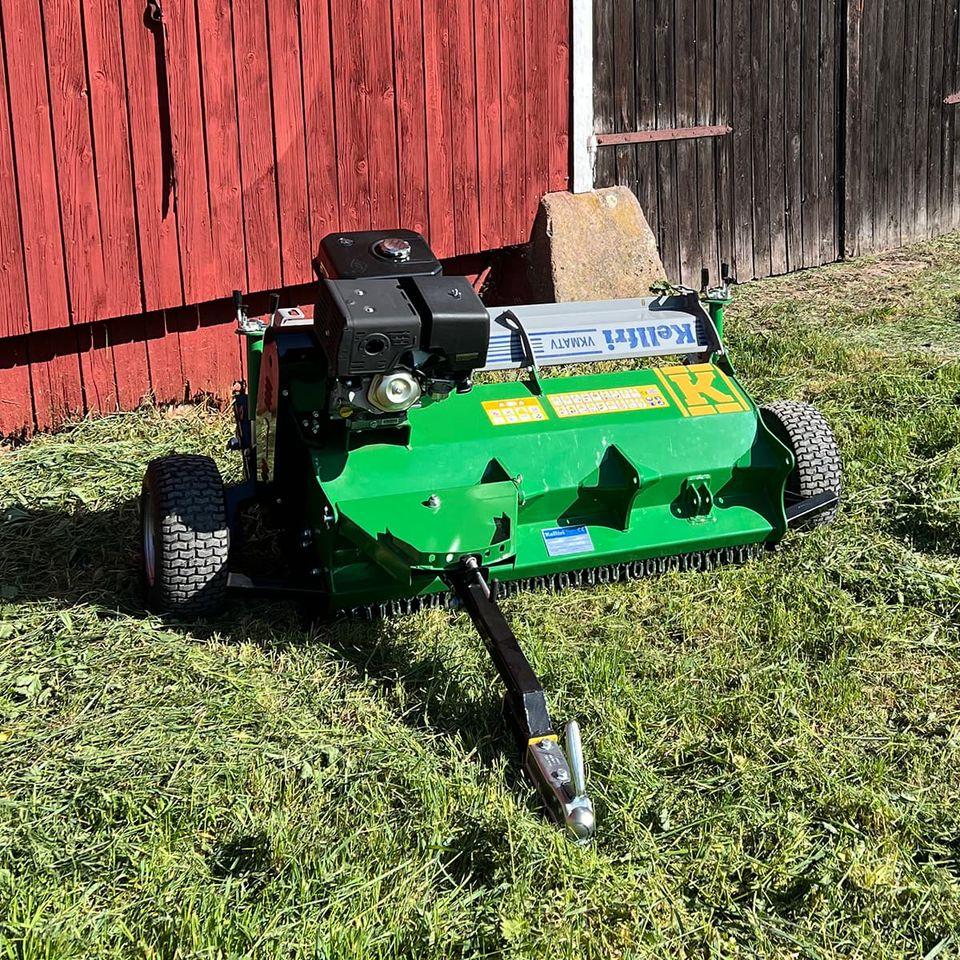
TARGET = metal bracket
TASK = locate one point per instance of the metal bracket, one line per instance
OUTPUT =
(805, 509)
(696, 498)
(664, 133)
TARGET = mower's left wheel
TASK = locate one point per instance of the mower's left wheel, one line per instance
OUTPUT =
(818, 467)
(185, 536)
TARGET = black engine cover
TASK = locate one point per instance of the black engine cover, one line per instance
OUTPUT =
(456, 325)
(384, 303)
(365, 326)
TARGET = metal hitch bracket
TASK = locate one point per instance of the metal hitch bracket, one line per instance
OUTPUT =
(560, 778)
(811, 507)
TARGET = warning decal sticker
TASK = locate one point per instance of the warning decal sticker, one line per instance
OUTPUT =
(522, 410)
(607, 401)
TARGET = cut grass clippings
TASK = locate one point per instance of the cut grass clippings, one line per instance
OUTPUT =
(774, 751)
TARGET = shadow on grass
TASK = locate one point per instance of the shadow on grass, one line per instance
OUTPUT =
(93, 557)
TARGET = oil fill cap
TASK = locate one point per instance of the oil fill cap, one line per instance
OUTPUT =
(392, 248)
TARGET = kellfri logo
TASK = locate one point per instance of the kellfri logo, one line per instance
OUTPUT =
(662, 335)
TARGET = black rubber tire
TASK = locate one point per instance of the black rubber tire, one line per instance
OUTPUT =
(819, 469)
(185, 537)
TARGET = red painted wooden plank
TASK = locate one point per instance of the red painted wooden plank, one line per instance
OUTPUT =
(320, 126)
(73, 149)
(257, 165)
(33, 158)
(96, 368)
(464, 108)
(436, 43)
(197, 365)
(537, 78)
(111, 137)
(14, 316)
(16, 410)
(55, 377)
(290, 141)
(378, 68)
(558, 94)
(163, 355)
(513, 119)
(126, 334)
(148, 118)
(489, 133)
(200, 281)
(223, 143)
(411, 118)
(351, 95)
(208, 343)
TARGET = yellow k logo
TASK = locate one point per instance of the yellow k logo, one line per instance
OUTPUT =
(702, 389)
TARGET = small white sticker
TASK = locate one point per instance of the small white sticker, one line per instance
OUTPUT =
(562, 541)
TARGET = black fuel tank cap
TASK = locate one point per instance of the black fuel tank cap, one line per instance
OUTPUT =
(393, 248)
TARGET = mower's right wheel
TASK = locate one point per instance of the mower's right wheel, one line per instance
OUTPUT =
(185, 536)
(818, 467)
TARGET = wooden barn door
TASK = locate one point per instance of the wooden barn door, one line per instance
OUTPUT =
(903, 122)
(735, 107)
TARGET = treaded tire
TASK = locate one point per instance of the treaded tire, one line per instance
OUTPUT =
(819, 469)
(184, 535)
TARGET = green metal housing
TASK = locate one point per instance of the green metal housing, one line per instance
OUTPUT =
(532, 477)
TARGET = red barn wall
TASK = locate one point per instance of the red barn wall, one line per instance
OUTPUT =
(149, 168)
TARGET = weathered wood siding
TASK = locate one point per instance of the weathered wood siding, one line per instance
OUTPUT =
(841, 141)
(903, 139)
(762, 197)
(149, 168)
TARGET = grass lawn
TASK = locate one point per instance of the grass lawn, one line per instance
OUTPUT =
(774, 751)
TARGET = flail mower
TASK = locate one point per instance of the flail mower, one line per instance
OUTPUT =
(397, 483)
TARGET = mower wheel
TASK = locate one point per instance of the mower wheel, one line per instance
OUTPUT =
(805, 431)
(185, 536)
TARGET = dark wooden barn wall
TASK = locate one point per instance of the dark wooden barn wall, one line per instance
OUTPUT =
(841, 141)
(762, 197)
(903, 140)
(148, 169)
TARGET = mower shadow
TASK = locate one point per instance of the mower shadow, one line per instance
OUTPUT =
(92, 557)
(433, 697)
(79, 556)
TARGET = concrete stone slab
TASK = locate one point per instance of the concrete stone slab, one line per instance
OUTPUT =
(592, 246)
